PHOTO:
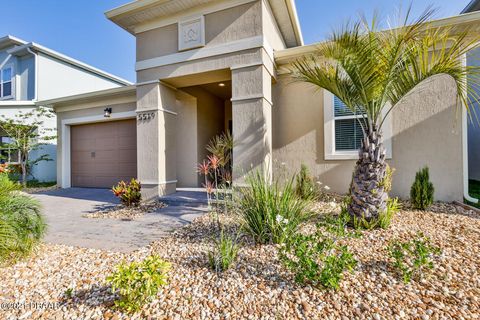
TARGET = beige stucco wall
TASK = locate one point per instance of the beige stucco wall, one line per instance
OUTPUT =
(186, 136)
(240, 22)
(209, 123)
(426, 131)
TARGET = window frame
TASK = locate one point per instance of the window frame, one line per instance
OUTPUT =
(330, 152)
(12, 82)
(9, 152)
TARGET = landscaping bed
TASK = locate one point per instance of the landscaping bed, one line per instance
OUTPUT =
(258, 286)
(127, 213)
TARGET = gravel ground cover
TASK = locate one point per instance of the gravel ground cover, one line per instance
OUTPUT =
(127, 213)
(258, 287)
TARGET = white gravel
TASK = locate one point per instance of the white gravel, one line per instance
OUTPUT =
(258, 287)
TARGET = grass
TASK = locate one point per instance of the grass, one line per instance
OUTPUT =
(474, 188)
(39, 184)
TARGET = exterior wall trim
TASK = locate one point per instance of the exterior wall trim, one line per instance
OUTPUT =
(329, 133)
(234, 46)
(162, 110)
(66, 148)
(204, 10)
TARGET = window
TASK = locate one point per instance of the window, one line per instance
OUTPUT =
(6, 82)
(343, 133)
(348, 131)
(7, 153)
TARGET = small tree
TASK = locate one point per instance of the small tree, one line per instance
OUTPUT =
(27, 134)
(421, 193)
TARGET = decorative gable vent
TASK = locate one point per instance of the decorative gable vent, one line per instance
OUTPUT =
(191, 33)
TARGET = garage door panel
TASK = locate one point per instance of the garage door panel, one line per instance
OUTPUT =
(114, 149)
(105, 143)
(127, 142)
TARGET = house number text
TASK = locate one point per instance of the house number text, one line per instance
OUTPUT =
(145, 116)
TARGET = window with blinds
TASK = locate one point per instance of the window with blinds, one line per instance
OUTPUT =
(348, 132)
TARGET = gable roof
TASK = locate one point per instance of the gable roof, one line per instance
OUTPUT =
(129, 15)
(21, 48)
(473, 5)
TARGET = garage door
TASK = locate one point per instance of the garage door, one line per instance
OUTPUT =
(103, 153)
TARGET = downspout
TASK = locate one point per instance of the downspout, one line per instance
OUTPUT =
(466, 193)
(35, 87)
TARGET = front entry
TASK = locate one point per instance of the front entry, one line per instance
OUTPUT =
(103, 153)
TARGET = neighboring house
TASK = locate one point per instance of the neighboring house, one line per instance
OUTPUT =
(204, 67)
(474, 126)
(30, 72)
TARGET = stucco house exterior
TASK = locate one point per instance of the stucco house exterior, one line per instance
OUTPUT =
(204, 67)
(29, 73)
(474, 126)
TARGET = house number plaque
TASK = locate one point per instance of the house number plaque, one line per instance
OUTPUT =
(144, 116)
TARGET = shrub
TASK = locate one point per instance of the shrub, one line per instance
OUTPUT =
(387, 180)
(421, 193)
(224, 253)
(128, 193)
(138, 282)
(22, 225)
(412, 258)
(305, 187)
(316, 259)
(271, 212)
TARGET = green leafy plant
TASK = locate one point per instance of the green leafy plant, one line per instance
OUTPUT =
(138, 282)
(337, 226)
(271, 212)
(412, 258)
(128, 193)
(22, 225)
(421, 193)
(27, 134)
(305, 187)
(224, 253)
(317, 259)
(371, 68)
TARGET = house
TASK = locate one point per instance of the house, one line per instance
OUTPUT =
(29, 73)
(474, 126)
(204, 67)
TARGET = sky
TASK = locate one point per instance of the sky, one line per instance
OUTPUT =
(79, 29)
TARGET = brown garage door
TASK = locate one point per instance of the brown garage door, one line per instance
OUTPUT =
(103, 153)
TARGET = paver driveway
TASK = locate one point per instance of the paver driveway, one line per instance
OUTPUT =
(64, 210)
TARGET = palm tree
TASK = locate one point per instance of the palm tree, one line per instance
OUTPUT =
(370, 71)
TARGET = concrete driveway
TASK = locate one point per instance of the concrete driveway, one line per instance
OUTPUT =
(64, 210)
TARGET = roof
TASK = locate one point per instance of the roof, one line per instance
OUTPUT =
(129, 15)
(473, 5)
(89, 96)
(22, 47)
(467, 20)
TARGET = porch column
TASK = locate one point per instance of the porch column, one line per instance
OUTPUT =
(252, 121)
(156, 147)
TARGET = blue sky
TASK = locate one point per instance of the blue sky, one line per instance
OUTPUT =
(78, 28)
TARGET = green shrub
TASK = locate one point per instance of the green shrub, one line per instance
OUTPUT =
(22, 225)
(138, 282)
(271, 212)
(128, 193)
(305, 187)
(421, 193)
(224, 253)
(412, 258)
(387, 180)
(316, 259)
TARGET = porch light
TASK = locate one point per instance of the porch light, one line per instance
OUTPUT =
(107, 112)
(221, 84)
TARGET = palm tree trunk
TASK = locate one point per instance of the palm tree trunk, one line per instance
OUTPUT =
(368, 195)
